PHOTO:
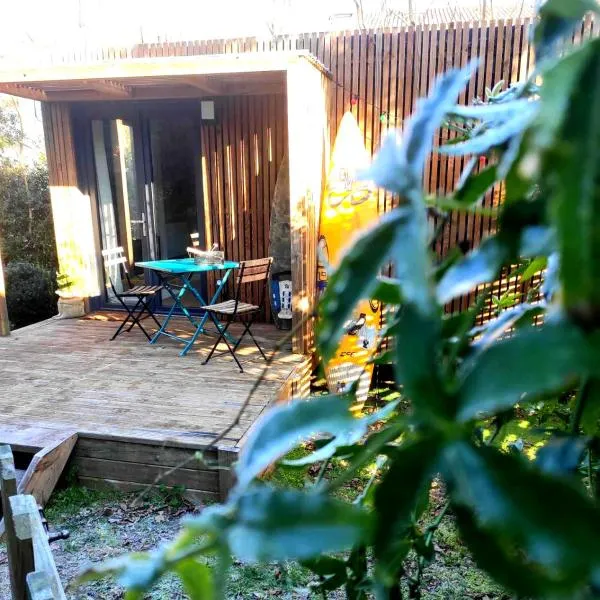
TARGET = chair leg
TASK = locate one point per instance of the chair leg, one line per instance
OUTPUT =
(247, 330)
(118, 331)
(151, 312)
(130, 315)
(231, 350)
(212, 350)
(136, 318)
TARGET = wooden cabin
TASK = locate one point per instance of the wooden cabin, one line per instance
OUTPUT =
(142, 152)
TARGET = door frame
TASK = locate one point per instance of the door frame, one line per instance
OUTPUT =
(138, 113)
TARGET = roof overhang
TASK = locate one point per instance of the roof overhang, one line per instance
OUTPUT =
(157, 77)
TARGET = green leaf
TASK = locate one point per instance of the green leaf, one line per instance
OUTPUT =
(559, 83)
(413, 263)
(550, 284)
(483, 264)
(496, 328)
(479, 266)
(501, 560)
(495, 135)
(536, 240)
(417, 362)
(573, 173)
(331, 571)
(504, 492)
(387, 291)
(398, 166)
(590, 418)
(396, 497)
(557, 18)
(475, 186)
(196, 578)
(352, 434)
(275, 524)
(284, 427)
(490, 113)
(355, 278)
(561, 455)
(535, 266)
(532, 361)
(375, 445)
(136, 572)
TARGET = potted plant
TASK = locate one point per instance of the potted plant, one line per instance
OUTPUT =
(70, 305)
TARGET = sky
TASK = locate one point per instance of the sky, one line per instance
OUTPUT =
(32, 28)
(33, 32)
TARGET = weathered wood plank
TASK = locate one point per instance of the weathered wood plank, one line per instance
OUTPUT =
(147, 474)
(39, 586)
(8, 488)
(125, 389)
(141, 453)
(226, 459)
(33, 541)
(45, 469)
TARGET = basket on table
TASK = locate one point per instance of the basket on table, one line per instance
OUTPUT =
(207, 257)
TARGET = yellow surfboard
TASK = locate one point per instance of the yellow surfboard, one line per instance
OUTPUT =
(349, 206)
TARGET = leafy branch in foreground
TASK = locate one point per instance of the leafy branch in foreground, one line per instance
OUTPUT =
(533, 525)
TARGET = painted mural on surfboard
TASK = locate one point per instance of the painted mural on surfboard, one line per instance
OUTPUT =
(349, 206)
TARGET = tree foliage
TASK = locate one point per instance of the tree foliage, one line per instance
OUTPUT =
(26, 229)
(533, 525)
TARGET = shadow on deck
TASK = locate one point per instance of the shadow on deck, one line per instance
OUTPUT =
(139, 409)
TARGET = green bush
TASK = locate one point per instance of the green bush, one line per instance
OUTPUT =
(26, 227)
(29, 293)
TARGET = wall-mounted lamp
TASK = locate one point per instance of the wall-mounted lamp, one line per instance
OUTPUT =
(207, 110)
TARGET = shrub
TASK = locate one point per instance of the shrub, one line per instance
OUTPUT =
(29, 293)
(25, 214)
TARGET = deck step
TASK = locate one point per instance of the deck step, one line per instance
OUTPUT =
(41, 473)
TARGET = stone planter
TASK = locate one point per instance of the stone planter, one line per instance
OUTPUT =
(70, 308)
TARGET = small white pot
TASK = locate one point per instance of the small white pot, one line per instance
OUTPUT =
(70, 308)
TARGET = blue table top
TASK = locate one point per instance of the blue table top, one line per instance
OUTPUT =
(183, 265)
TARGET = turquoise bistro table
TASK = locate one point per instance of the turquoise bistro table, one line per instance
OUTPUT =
(176, 277)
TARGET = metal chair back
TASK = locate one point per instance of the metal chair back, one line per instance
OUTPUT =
(115, 257)
(253, 271)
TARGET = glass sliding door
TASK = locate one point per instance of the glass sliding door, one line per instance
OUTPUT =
(174, 151)
(174, 140)
(148, 182)
(123, 215)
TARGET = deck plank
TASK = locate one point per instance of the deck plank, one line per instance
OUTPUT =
(67, 375)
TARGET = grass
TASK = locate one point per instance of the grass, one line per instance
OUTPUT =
(97, 535)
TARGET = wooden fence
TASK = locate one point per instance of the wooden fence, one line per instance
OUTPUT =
(379, 75)
(32, 572)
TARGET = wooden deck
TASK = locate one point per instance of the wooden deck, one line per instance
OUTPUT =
(132, 402)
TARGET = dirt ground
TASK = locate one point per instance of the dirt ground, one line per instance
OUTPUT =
(103, 526)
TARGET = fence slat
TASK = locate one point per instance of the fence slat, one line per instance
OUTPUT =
(8, 488)
(22, 511)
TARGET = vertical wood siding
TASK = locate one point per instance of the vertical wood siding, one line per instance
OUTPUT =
(241, 155)
(379, 75)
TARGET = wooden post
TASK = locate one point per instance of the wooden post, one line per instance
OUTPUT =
(24, 510)
(8, 488)
(225, 459)
(4, 322)
(39, 586)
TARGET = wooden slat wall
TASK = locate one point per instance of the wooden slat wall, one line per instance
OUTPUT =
(73, 215)
(241, 155)
(379, 76)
